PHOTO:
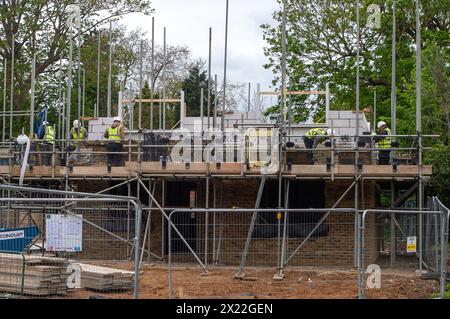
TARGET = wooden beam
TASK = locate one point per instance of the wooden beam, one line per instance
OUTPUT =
(368, 170)
(226, 168)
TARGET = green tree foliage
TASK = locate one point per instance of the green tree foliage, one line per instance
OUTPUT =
(192, 84)
(321, 48)
(40, 27)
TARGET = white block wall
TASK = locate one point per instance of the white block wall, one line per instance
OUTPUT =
(97, 128)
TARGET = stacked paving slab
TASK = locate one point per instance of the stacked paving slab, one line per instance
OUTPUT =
(33, 275)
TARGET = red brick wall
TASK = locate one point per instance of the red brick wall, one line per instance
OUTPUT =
(335, 249)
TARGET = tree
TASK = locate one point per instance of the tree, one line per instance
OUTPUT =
(167, 75)
(40, 27)
(321, 48)
(191, 85)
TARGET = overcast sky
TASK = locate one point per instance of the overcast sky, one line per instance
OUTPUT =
(187, 22)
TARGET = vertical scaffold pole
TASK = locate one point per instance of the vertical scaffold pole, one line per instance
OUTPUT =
(222, 125)
(209, 79)
(11, 97)
(151, 73)
(97, 105)
(240, 273)
(419, 126)
(4, 100)
(108, 107)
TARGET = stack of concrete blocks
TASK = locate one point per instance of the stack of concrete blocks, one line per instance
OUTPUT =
(193, 124)
(344, 124)
(97, 128)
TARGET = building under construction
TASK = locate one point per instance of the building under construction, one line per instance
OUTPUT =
(272, 202)
(228, 190)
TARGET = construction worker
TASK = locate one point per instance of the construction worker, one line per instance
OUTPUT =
(384, 142)
(78, 134)
(313, 138)
(115, 134)
(48, 141)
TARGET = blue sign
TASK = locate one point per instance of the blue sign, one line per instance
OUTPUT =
(15, 240)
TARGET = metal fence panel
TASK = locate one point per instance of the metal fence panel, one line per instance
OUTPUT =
(65, 245)
(391, 251)
(308, 245)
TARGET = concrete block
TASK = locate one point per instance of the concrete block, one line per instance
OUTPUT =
(347, 131)
(346, 114)
(95, 122)
(107, 120)
(340, 123)
(333, 115)
(95, 136)
(98, 129)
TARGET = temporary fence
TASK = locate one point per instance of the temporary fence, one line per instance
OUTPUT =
(67, 244)
(227, 241)
(435, 204)
(415, 238)
(246, 240)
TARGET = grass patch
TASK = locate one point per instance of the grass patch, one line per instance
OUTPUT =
(446, 294)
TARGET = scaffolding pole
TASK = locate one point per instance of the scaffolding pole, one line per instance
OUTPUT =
(152, 66)
(209, 79)
(97, 105)
(393, 80)
(222, 124)
(280, 275)
(79, 75)
(419, 125)
(58, 130)
(240, 273)
(108, 107)
(147, 232)
(4, 100)
(33, 85)
(141, 67)
(206, 220)
(215, 102)
(392, 230)
(69, 93)
(164, 83)
(11, 97)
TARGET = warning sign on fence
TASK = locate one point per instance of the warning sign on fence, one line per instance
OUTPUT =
(411, 244)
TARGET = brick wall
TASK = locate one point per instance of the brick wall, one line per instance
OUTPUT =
(334, 249)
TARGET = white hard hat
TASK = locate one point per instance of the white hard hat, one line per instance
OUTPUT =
(118, 119)
(75, 123)
(330, 132)
(46, 123)
(381, 123)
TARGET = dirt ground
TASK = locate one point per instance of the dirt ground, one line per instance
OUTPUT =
(305, 283)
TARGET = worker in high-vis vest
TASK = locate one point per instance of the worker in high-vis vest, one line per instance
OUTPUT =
(383, 139)
(48, 141)
(78, 134)
(313, 138)
(115, 134)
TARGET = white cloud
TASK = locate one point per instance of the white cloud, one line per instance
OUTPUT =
(187, 23)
